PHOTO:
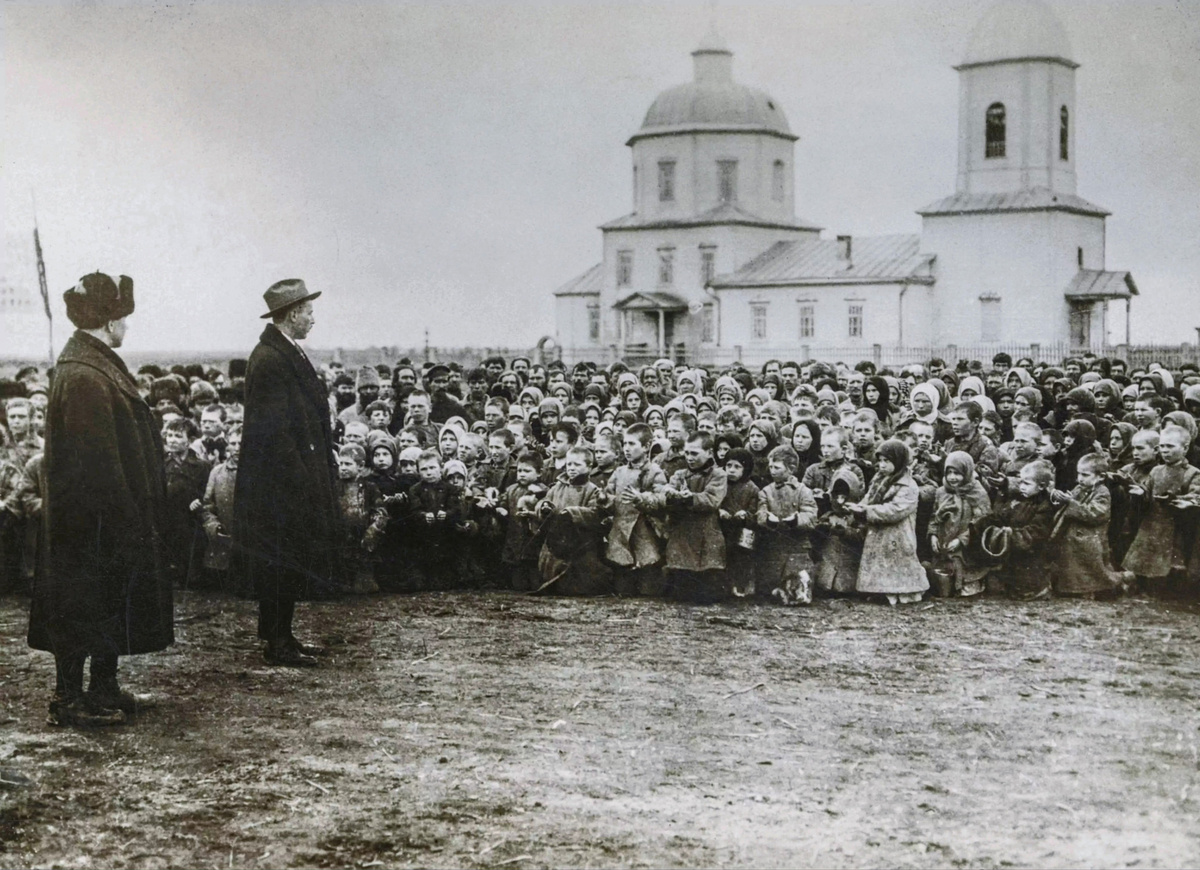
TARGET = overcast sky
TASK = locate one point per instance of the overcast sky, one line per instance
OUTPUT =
(444, 165)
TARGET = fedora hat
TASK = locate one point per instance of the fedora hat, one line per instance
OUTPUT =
(284, 294)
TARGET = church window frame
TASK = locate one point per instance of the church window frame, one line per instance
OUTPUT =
(758, 321)
(778, 180)
(708, 323)
(593, 322)
(990, 317)
(727, 181)
(666, 266)
(708, 263)
(666, 181)
(808, 318)
(1064, 133)
(854, 319)
(995, 132)
(624, 268)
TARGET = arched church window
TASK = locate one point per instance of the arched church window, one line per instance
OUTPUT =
(777, 181)
(1064, 134)
(995, 131)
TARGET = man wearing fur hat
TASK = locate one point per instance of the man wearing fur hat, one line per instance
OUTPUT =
(367, 389)
(285, 502)
(104, 592)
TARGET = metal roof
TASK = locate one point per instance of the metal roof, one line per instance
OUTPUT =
(725, 213)
(651, 301)
(873, 260)
(1094, 284)
(587, 284)
(1035, 199)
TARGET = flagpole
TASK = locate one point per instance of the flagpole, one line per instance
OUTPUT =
(41, 267)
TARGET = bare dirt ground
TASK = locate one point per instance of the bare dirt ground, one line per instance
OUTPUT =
(493, 729)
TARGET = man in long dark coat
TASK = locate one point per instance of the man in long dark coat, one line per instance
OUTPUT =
(103, 591)
(285, 503)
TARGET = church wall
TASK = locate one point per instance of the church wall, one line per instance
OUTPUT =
(880, 303)
(571, 321)
(1022, 259)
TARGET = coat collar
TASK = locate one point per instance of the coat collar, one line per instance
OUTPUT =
(276, 340)
(85, 350)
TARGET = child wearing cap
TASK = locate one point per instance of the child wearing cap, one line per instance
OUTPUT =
(516, 509)
(738, 516)
(635, 541)
(787, 512)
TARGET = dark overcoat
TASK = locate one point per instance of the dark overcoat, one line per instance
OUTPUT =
(285, 499)
(104, 588)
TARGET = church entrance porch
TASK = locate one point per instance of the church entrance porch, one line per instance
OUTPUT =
(646, 323)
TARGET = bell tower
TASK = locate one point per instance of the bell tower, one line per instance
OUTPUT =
(1016, 110)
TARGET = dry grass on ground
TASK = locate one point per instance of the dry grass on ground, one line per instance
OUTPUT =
(502, 730)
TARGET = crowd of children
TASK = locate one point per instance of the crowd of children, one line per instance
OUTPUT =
(796, 480)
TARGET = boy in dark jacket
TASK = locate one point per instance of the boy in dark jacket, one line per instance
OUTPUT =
(361, 526)
(517, 511)
(738, 515)
(186, 477)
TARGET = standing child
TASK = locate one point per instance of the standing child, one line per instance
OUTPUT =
(889, 565)
(1080, 536)
(787, 512)
(425, 532)
(186, 477)
(961, 500)
(517, 509)
(1172, 490)
(569, 562)
(738, 516)
(357, 500)
(695, 551)
(462, 529)
(607, 451)
(1024, 519)
(635, 539)
(217, 515)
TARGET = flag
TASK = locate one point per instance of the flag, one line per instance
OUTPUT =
(41, 267)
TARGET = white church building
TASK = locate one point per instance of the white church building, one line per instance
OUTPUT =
(713, 264)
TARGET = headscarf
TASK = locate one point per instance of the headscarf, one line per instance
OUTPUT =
(970, 382)
(898, 454)
(961, 462)
(1082, 397)
(881, 406)
(930, 391)
(550, 404)
(768, 429)
(943, 401)
(1024, 379)
(533, 392)
(1127, 431)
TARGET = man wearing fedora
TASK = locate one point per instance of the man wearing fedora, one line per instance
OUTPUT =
(103, 591)
(285, 503)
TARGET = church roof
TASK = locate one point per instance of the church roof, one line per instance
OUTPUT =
(1018, 30)
(587, 284)
(713, 102)
(725, 213)
(1035, 199)
(873, 260)
(1090, 284)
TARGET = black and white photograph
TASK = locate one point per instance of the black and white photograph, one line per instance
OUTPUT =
(555, 433)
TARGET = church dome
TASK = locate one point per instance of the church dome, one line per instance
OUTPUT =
(1014, 29)
(713, 100)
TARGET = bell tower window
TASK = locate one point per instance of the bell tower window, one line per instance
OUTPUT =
(1064, 134)
(666, 181)
(777, 181)
(727, 180)
(994, 131)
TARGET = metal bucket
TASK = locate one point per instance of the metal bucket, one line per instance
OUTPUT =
(942, 583)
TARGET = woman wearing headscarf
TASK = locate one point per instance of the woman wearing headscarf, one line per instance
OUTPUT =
(876, 395)
(925, 405)
(960, 501)
(889, 563)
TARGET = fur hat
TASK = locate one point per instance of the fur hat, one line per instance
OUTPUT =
(367, 377)
(237, 368)
(97, 299)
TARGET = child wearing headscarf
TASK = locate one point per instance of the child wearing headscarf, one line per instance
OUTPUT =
(761, 438)
(739, 513)
(889, 563)
(960, 501)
